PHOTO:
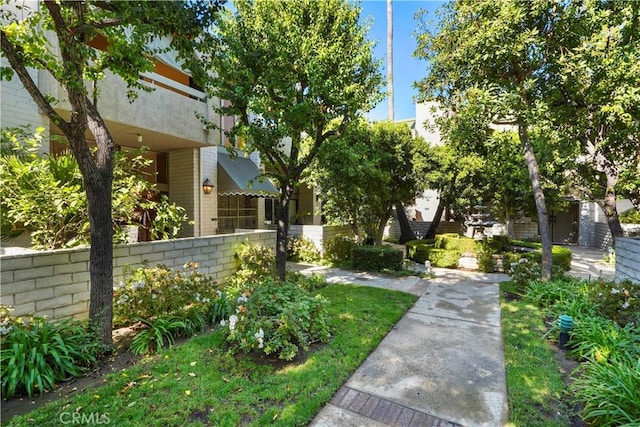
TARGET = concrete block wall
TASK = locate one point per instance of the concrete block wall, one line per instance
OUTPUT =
(318, 234)
(56, 283)
(628, 260)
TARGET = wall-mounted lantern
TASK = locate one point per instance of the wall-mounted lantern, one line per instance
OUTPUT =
(207, 186)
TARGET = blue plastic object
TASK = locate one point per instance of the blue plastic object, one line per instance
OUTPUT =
(566, 322)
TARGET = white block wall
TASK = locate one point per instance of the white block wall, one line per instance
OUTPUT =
(56, 283)
(628, 260)
(17, 107)
(318, 234)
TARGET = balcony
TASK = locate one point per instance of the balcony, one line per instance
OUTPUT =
(166, 116)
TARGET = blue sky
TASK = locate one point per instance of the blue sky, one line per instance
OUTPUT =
(406, 68)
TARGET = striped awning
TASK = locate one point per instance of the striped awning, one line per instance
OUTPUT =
(238, 176)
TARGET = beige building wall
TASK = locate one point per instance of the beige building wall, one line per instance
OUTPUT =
(184, 185)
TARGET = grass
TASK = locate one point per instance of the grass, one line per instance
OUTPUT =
(200, 383)
(534, 383)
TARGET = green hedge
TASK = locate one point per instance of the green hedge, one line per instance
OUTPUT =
(421, 251)
(444, 258)
(454, 242)
(560, 255)
(418, 250)
(376, 258)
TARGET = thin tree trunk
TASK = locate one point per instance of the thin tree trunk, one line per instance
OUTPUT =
(406, 233)
(511, 232)
(610, 209)
(390, 113)
(283, 230)
(382, 222)
(435, 223)
(538, 194)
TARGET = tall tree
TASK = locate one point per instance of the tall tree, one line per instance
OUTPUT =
(295, 74)
(498, 48)
(55, 38)
(370, 169)
(592, 85)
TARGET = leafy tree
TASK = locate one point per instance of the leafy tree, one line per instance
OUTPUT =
(295, 74)
(460, 180)
(592, 87)
(54, 38)
(44, 194)
(365, 172)
(496, 49)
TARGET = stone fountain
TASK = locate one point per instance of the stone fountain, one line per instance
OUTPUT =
(478, 222)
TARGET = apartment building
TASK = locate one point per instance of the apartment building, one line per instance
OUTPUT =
(186, 155)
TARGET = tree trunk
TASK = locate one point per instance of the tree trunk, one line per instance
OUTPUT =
(283, 230)
(435, 223)
(538, 194)
(508, 219)
(382, 222)
(101, 257)
(610, 210)
(406, 233)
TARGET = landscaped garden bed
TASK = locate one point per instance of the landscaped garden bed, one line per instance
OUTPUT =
(596, 378)
(255, 351)
(493, 254)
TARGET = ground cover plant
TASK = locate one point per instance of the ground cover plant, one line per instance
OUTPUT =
(201, 382)
(36, 353)
(604, 341)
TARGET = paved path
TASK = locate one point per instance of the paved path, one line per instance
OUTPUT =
(441, 365)
(443, 362)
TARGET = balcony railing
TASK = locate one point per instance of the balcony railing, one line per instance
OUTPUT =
(156, 80)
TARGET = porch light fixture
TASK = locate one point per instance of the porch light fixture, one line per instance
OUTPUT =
(207, 186)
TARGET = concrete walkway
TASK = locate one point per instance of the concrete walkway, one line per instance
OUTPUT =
(443, 362)
(441, 365)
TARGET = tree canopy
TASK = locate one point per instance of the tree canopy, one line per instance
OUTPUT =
(56, 39)
(365, 172)
(294, 73)
(563, 73)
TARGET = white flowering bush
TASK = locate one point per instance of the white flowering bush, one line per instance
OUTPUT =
(619, 302)
(276, 318)
(149, 292)
(524, 271)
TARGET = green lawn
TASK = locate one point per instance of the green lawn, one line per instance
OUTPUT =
(534, 383)
(199, 383)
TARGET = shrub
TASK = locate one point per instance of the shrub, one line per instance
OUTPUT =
(630, 216)
(560, 256)
(376, 258)
(444, 258)
(619, 302)
(150, 292)
(418, 250)
(484, 255)
(254, 263)
(307, 283)
(499, 244)
(596, 338)
(302, 249)
(36, 354)
(339, 248)
(158, 333)
(454, 242)
(609, 392)
(277, 318)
